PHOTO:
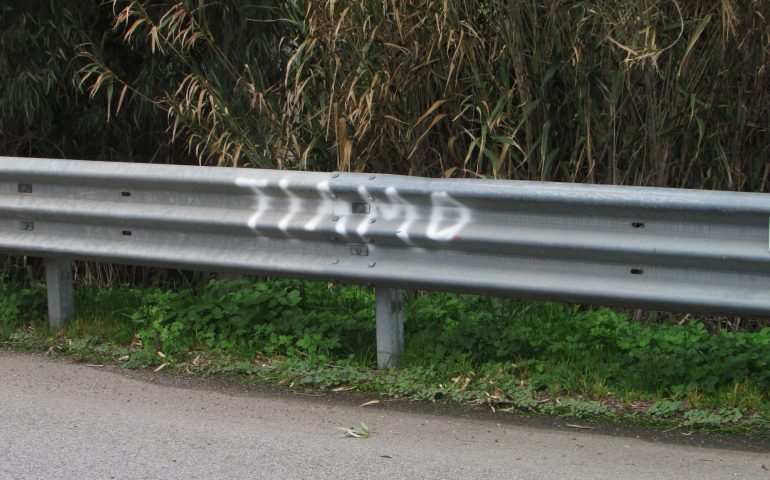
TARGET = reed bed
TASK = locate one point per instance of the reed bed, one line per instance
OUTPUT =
(643, 92)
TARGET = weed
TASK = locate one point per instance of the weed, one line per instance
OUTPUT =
(577, 408)
(666, 408)
(508, 354)
(707, 418)
(524, 399)
(21, 306)
(744, 395)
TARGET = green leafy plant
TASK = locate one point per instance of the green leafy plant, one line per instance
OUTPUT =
(21, 305)
(269, 318)
(666, 408)
(706, 418)
(505, 354)
(577, 408)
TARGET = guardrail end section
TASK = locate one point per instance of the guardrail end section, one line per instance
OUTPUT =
(61, 300)
(390, 326)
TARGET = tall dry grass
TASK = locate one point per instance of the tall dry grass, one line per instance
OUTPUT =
(647, 92)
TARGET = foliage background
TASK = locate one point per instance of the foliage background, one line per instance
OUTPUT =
(647, 92)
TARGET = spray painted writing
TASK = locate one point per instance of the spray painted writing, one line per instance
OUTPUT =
(439, 218)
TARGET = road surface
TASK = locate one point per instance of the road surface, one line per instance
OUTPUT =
(64, 420)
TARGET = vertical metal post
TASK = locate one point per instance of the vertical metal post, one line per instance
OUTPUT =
(61, 301)
(390, 327)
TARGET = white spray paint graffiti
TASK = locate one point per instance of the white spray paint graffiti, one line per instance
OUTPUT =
(263, 201)
(394, 209)
(447, 217)
(325, 209)
(443, 208)
(295, 205)
(363, 227)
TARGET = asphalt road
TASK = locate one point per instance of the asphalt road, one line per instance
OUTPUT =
(71, 421)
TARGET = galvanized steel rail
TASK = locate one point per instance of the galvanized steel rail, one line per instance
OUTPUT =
(665, 249)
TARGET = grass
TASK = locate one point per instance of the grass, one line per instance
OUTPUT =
(501, 354)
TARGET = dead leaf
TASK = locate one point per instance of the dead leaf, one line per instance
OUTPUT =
(362, 430)
(369, 403)
(160, 368)
(582, 427)
(465, 384)
(123, 358)
(342, 389)
(161, 355)
(764, 467)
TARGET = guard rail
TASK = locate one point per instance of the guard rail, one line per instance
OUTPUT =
(664, 249)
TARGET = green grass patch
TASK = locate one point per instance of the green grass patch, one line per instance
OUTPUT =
(505, 354)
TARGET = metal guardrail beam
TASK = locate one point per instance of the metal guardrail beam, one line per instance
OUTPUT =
(666, 249)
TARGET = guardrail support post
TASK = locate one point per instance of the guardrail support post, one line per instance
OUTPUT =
(390, 326)
(61, 301)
